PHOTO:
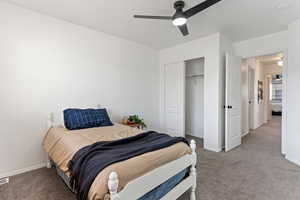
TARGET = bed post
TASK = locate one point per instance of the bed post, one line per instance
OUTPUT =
(50, 123)
(193, 170)
(113, 184)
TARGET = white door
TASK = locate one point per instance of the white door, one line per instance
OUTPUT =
(233, 135)
(174, 97)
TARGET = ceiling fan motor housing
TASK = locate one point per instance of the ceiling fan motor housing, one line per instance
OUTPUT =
(179, 5)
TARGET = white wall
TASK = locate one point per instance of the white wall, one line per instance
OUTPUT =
(268, 44)
(293, 94)
(194, 102)
(258, 105)
(47, 65)
(209, 48)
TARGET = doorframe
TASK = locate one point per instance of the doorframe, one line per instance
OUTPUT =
(284, 89)
(284, 102)
(163, 98)
(185, 93)
(251, 74)
(267, 113)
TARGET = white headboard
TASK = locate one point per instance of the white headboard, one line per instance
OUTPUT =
(55, 119)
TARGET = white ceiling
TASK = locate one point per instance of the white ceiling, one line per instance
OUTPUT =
(237, 19)
(270, 59)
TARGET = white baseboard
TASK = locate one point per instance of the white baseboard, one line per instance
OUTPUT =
(212, 148)
(192, 134)
(293, 160)
(246, 133)
(23, 170)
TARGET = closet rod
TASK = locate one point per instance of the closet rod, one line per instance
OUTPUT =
(196, 75)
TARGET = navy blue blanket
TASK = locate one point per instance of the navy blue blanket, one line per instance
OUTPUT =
(90, 160)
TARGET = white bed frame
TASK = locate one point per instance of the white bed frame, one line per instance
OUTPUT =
(144, 184)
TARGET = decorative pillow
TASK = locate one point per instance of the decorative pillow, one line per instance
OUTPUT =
(86, 118)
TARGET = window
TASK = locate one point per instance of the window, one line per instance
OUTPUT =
(276, 89)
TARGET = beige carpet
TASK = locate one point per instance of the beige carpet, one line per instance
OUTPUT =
(254, 171)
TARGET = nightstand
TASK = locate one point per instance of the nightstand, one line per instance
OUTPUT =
(132, 125)
(135, 126)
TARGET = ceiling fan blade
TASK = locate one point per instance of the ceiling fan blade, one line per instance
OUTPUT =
(200, 7)
(153, 17)
(184, 29)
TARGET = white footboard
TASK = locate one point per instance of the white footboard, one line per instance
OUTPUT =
(144, 184)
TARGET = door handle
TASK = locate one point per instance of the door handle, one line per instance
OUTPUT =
(229, 107)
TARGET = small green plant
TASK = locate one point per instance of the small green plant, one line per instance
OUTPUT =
(136, 120)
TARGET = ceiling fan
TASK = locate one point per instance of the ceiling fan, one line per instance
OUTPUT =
(180, 17)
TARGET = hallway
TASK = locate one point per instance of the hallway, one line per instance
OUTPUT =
(254, 171)
(266, 139)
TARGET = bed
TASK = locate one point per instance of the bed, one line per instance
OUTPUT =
(276, 108)
(135, 178)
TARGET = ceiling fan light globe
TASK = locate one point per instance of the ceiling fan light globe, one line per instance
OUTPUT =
(179, 21)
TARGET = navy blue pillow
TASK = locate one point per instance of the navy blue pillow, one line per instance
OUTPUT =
(86, 118)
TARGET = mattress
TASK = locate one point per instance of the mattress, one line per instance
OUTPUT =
(61, 144)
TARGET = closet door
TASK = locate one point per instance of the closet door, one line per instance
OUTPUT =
(174, 97)
(233, 132)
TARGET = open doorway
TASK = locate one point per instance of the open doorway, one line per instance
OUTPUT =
(262, 92)
(194, 99)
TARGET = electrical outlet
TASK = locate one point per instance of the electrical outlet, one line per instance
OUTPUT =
(4, 181)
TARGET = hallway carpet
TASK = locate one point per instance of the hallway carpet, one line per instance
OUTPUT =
(254, 171)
